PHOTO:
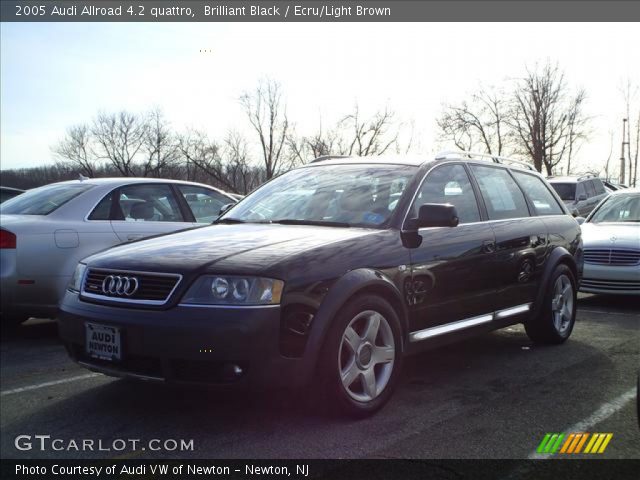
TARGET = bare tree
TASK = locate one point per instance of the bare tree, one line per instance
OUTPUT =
(160, 145)
(369, 136)
(75, 150)
(203, 154)
(478, 124)
(240, 173)
(267, 114)
(637, 148)
(630, 94)
(353, 135)
(304, 148)
(606, 165)
(547, 119)
(120, 137)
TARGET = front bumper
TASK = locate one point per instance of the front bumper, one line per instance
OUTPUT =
(607, 279)
(187, 345)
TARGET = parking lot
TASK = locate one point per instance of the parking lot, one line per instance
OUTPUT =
(494, 396)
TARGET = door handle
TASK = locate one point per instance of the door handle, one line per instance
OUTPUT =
(489, 246)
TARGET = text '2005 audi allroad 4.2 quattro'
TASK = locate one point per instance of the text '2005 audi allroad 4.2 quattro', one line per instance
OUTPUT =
(330, 274)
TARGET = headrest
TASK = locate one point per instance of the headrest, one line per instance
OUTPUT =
(142, 211)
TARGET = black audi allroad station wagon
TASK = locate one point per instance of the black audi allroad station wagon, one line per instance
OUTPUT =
(330, 274)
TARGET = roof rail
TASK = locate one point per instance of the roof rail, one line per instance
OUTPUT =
(322, 158)
(585, 176)
(482, 156)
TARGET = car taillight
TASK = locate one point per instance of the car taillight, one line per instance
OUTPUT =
(7, 239)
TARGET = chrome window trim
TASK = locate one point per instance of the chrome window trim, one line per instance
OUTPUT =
(85, 294)
(447, 328)
(417, 191)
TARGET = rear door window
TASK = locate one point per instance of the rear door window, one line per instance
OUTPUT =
(566, 191)
(543, 200)
(591, 190)
(147, 203)
(502, 195)
(599, 186)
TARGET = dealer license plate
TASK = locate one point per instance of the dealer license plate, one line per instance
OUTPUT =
(103, 342)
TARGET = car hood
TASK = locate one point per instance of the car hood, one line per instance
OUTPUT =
(625, 235)
(238, 248)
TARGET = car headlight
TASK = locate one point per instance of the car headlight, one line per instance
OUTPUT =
(75, 285)
(234, 290)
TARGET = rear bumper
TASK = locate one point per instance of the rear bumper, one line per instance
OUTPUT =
(37, 299)
(187, 345)
(608, 279)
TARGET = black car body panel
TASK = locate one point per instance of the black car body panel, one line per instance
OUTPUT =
(432, 277)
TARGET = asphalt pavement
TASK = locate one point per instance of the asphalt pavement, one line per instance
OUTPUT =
(494, 396)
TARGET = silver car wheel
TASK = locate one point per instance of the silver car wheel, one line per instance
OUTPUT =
(562, 304)
(366, 356)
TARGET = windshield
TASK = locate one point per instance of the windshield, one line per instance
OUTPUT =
(618, 208)
(567, 191)
(43, 200)
(339, 195)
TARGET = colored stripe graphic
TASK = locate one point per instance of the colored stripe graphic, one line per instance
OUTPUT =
(581, 443)
(574, 442)
(543, 443)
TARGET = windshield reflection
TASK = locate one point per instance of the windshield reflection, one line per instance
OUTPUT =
(331, 195)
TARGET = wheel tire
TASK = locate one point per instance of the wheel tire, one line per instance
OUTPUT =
(554, 323)
(335, 358)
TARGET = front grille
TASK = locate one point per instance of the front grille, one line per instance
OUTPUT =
(610, 285)
(612, 256)
(152, 288)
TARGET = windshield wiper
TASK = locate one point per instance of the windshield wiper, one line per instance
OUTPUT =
(321, 223)
(229, 220)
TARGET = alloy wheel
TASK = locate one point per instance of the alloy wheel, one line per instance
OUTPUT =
(562, 304)
(366, 356)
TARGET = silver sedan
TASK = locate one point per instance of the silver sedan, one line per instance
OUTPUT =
(46, 231)
(611, 236)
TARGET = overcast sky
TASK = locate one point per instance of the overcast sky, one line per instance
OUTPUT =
(57, 75)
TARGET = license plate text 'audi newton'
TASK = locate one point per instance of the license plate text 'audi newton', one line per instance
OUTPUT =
(103, 342)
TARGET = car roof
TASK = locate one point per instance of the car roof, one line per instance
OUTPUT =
(623, 191)
(11, 189)
(115, 181)
(413, 160)
(562, 179)
(419, 160)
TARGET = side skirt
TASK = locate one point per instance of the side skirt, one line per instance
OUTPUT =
(491, 321)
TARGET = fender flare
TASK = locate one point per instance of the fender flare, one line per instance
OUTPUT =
(343, 289)
(557, 256)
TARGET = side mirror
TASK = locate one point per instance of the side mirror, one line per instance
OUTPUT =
(580, 220)
(436, 215)
(581, 198)
(575, 213)
(225, 207)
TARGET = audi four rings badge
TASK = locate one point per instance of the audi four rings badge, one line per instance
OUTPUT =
(117, 285)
